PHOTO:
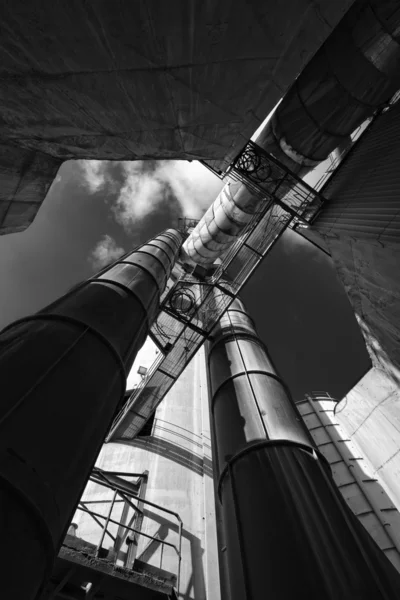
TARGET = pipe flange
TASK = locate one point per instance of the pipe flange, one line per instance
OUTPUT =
(311, 450)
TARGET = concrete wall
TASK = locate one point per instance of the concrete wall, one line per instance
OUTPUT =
(360, 223)
(354, 475)
(178, 458)
(369, 272)
(151, 80)
(370, 415)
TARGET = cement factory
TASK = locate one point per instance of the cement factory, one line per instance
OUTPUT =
(258, 457)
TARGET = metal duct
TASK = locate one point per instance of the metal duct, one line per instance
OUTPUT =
(63, 373)
(355, 72)
(287, 532)
(222, 224)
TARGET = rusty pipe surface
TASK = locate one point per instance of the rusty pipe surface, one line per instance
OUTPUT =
(286, 531)
(63, 373)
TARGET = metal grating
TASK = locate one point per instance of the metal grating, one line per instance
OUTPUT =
(191, 307)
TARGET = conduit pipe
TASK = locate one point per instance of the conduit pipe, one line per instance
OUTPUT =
(355, 72)
(63, 373)
(222, 224)
(287, 532)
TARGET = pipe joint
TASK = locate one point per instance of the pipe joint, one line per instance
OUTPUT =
(281, 443)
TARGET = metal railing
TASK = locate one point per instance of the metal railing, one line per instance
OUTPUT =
(123, 491)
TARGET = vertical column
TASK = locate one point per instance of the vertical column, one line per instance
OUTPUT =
(63, 374)
(287, 531)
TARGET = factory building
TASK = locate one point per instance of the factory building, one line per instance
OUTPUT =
(258, 451)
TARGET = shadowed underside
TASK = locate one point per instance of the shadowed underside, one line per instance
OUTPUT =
(125, 81)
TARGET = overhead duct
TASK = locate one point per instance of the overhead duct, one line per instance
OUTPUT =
(355, 72)
(222, 224)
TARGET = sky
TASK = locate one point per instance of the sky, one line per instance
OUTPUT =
(94, 212)
(97, 210)
(305, 319)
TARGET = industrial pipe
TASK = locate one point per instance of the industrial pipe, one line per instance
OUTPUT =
(287, 532)
(354, 73)
(222, 224)
(63, 373)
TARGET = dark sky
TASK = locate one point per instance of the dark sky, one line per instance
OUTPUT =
(300, 309)
(54, 253)
(305, 319)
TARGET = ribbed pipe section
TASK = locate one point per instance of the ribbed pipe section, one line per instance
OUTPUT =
(286, 530)
(355, 72)
(222, 224)
(363, 195)
(63, 374)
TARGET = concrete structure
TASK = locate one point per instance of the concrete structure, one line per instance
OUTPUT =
(370, 414)
(146, 91)
(176, 80)
(177, 457)
(356, 478)
(360, 224)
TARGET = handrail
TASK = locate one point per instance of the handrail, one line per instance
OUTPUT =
(110, 520)
(126, 495)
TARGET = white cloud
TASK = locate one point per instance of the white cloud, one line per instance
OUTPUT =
(94, 174)
(191, 184)
(194, 186)
(105, 252)
(139, 196)
(147, 184)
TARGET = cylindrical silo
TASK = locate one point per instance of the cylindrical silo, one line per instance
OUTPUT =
(287, 531)
(63, 373)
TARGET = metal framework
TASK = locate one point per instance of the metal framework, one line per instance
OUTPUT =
(125, 491)
(191, 307)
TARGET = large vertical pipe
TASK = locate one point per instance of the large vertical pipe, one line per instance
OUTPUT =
(63, 373)
(287, 531)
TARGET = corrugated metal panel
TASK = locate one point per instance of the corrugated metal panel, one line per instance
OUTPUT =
(364, 194)
(354, 476)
